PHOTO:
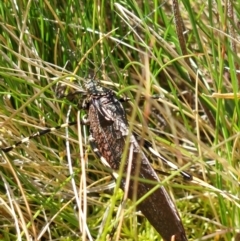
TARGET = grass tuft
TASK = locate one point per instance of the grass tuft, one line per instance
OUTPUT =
(135, 48)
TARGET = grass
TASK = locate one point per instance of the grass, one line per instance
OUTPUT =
(135, 48)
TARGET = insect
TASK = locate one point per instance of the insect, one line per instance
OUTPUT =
(109, 136)
(109, 131)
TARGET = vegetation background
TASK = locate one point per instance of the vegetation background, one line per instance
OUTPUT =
(186, 54)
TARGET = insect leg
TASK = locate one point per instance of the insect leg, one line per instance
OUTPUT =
(148, 146)
(40, 133)
(126, 99)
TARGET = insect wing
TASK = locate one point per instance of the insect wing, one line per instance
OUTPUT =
(109, 108)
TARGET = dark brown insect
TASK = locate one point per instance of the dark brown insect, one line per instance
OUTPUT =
(109, 131)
